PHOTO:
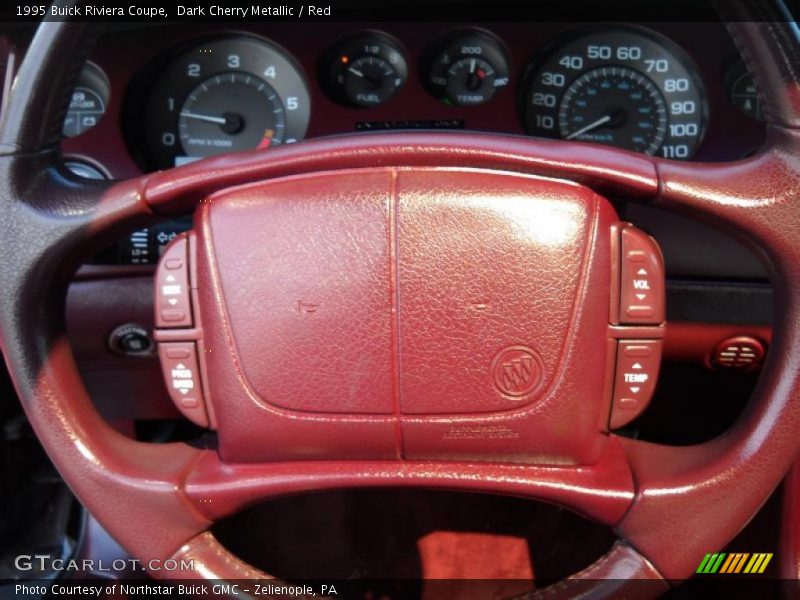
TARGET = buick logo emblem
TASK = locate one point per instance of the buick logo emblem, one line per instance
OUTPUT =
(517, 371)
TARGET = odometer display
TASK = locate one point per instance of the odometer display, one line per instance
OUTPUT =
(621, 87)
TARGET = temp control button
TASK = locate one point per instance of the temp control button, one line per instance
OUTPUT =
(642, 280)
(182, 374)
(173, 296)
(638, 363)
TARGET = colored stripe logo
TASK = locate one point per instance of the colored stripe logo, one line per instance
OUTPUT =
(735, 562)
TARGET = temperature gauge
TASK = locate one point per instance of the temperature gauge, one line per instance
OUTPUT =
(466, 68)
(364, 70)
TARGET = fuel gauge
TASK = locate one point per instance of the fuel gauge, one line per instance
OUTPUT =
(364, 70)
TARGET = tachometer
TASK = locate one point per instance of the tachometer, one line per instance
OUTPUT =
(230, 111)
(623, 87)
(227, 95)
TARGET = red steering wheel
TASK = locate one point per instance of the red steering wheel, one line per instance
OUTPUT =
(351, 295)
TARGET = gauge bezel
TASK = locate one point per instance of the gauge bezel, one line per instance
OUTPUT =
(567, 36)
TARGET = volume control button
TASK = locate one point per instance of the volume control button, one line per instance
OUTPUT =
(642, 281)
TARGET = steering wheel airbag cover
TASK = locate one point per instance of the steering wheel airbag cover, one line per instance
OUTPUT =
(448, 303)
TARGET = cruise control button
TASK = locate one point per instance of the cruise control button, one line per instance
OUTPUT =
(638, 363)
(182, 375)
(642, 280)
(173, 296)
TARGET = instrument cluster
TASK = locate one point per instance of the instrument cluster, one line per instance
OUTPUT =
(620, 85)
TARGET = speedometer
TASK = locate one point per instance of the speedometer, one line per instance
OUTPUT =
(225, 95)
(623, 87)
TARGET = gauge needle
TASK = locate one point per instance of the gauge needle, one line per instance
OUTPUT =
(354, 72)
(206, 118)
(593, 125)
